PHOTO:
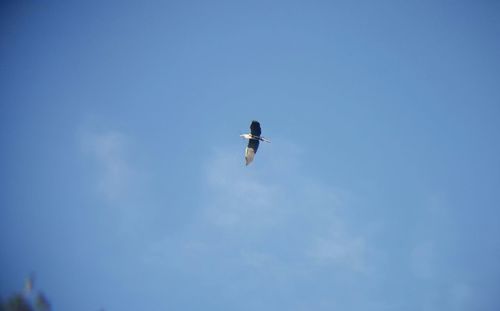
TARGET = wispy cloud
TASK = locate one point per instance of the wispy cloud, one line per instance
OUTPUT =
(340, 248)
(234, 198)
(108, 148)
(270, 217)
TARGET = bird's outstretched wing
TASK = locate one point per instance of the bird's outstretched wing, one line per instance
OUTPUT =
(255, 128)
(251, 150)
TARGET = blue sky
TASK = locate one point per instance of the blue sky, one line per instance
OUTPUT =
(123, 182)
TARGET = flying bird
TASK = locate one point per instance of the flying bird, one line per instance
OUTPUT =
(253, 141)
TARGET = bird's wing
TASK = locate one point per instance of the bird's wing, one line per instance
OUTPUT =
(255, 128)
(253, 144)
(249, 154)
(251, 150)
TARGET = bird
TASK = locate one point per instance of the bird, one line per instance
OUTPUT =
(253, 141)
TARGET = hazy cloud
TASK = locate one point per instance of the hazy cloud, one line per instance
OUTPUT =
(268, 218)
(109, 148)
(460, 296)
(238, 198)
(422, 260)
(339, 248)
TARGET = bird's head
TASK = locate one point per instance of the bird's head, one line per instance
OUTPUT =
(246, 136)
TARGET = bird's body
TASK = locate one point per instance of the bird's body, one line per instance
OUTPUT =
(253, 141)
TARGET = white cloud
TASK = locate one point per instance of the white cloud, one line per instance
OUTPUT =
(108, 148)
(340, 249)
(270, 218)
(236, 197)
(119, 182)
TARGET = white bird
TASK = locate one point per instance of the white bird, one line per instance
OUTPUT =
(253, 141)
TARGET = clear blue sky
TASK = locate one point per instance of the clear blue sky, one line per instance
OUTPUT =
(123, 184)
